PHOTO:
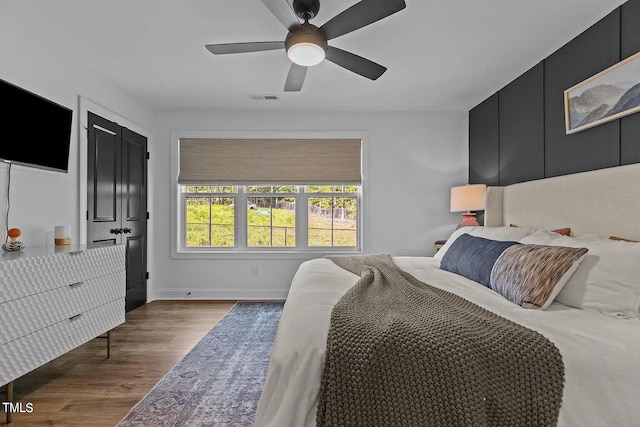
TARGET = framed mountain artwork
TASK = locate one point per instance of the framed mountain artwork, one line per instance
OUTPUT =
(609, 95)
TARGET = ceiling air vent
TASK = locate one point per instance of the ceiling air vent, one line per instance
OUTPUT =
(264, 97)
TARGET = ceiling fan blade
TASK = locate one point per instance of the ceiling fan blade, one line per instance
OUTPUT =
(360, 15)
(283, 11)
(295, 78)
(226, 48)
(355, 63)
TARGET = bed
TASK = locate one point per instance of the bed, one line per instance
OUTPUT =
(592, 320)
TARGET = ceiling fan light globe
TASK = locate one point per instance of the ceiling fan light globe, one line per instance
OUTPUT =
(306, 54)
(306, 45)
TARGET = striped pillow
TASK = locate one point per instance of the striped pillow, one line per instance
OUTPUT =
(533, 275)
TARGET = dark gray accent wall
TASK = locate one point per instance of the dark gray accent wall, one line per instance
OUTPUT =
(521, 133)
(592, 51)
(630, 44)
(484, 166)
(532, 141)
(629, 28)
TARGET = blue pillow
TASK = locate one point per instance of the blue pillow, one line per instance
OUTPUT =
(473, 257)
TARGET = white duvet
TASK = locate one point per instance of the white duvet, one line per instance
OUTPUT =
(601, 354)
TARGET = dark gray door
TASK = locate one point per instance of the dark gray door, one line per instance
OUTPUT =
(117, 198)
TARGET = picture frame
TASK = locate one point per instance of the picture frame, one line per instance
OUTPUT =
(606, 96)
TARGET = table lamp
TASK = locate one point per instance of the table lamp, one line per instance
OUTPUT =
(467, 198)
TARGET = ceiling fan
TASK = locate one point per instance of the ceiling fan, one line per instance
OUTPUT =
(306, 45)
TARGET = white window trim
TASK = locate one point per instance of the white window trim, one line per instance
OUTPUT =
(178, 252)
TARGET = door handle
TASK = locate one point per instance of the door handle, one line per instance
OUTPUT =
(126, 230)
(116, 231)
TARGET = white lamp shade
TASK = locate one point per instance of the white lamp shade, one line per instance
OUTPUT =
(306, 54)
(468, 198)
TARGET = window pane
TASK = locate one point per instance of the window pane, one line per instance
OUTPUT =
(345, 220)
(258, 222)
(285, 189)
(222, 235)
(319, 189)
(331, 189)
(209, 189)
(197, 189)
(271, 189)
(210, 221)
(344, 237)
(223, 221)
(333, 221)
(284, 222)
(257, 189)
(319, 229)
(272, 223)
(197, 235)
(224, 189)
(197, 221)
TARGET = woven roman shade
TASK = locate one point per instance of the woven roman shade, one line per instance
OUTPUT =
(270, 161)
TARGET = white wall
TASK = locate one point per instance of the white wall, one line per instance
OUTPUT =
(413, 161)
(42, 199)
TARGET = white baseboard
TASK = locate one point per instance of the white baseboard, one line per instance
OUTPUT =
(219, 294)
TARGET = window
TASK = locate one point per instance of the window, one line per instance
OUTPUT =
(332, 216)
(257, 195)
(270, 217)
(210, 216)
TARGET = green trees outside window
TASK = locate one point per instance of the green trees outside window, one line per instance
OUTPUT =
(267, 216)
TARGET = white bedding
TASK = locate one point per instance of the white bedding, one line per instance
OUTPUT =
(600, 353)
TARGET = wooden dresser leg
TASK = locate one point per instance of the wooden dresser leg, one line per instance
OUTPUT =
(9, 399)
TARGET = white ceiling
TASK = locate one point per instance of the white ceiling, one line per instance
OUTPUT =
(440, 54)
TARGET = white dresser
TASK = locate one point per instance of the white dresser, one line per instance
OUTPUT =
(53, 299)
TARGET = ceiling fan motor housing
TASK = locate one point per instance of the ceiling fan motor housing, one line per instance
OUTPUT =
(306, 33)
(306, 9)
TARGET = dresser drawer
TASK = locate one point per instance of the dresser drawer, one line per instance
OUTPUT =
(25, 276)
(26, 315)
(27, 353)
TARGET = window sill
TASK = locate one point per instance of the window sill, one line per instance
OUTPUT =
(262, 255)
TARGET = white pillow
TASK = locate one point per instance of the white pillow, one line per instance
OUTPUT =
(608, 279)
(503, 234)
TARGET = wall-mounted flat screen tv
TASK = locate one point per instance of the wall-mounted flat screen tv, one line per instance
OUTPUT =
(33, 130)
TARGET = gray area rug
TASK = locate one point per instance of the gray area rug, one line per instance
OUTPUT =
(220, 381)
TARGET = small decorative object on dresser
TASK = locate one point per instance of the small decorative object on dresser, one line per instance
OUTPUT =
(62, 235)
(13, 244)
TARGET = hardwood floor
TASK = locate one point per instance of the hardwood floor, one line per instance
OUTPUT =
(83, 388)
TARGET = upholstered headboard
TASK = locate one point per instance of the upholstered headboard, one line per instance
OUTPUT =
(604, 202)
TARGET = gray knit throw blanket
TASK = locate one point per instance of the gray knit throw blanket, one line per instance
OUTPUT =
(403, 353)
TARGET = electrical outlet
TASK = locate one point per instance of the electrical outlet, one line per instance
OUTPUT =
(255, 270)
